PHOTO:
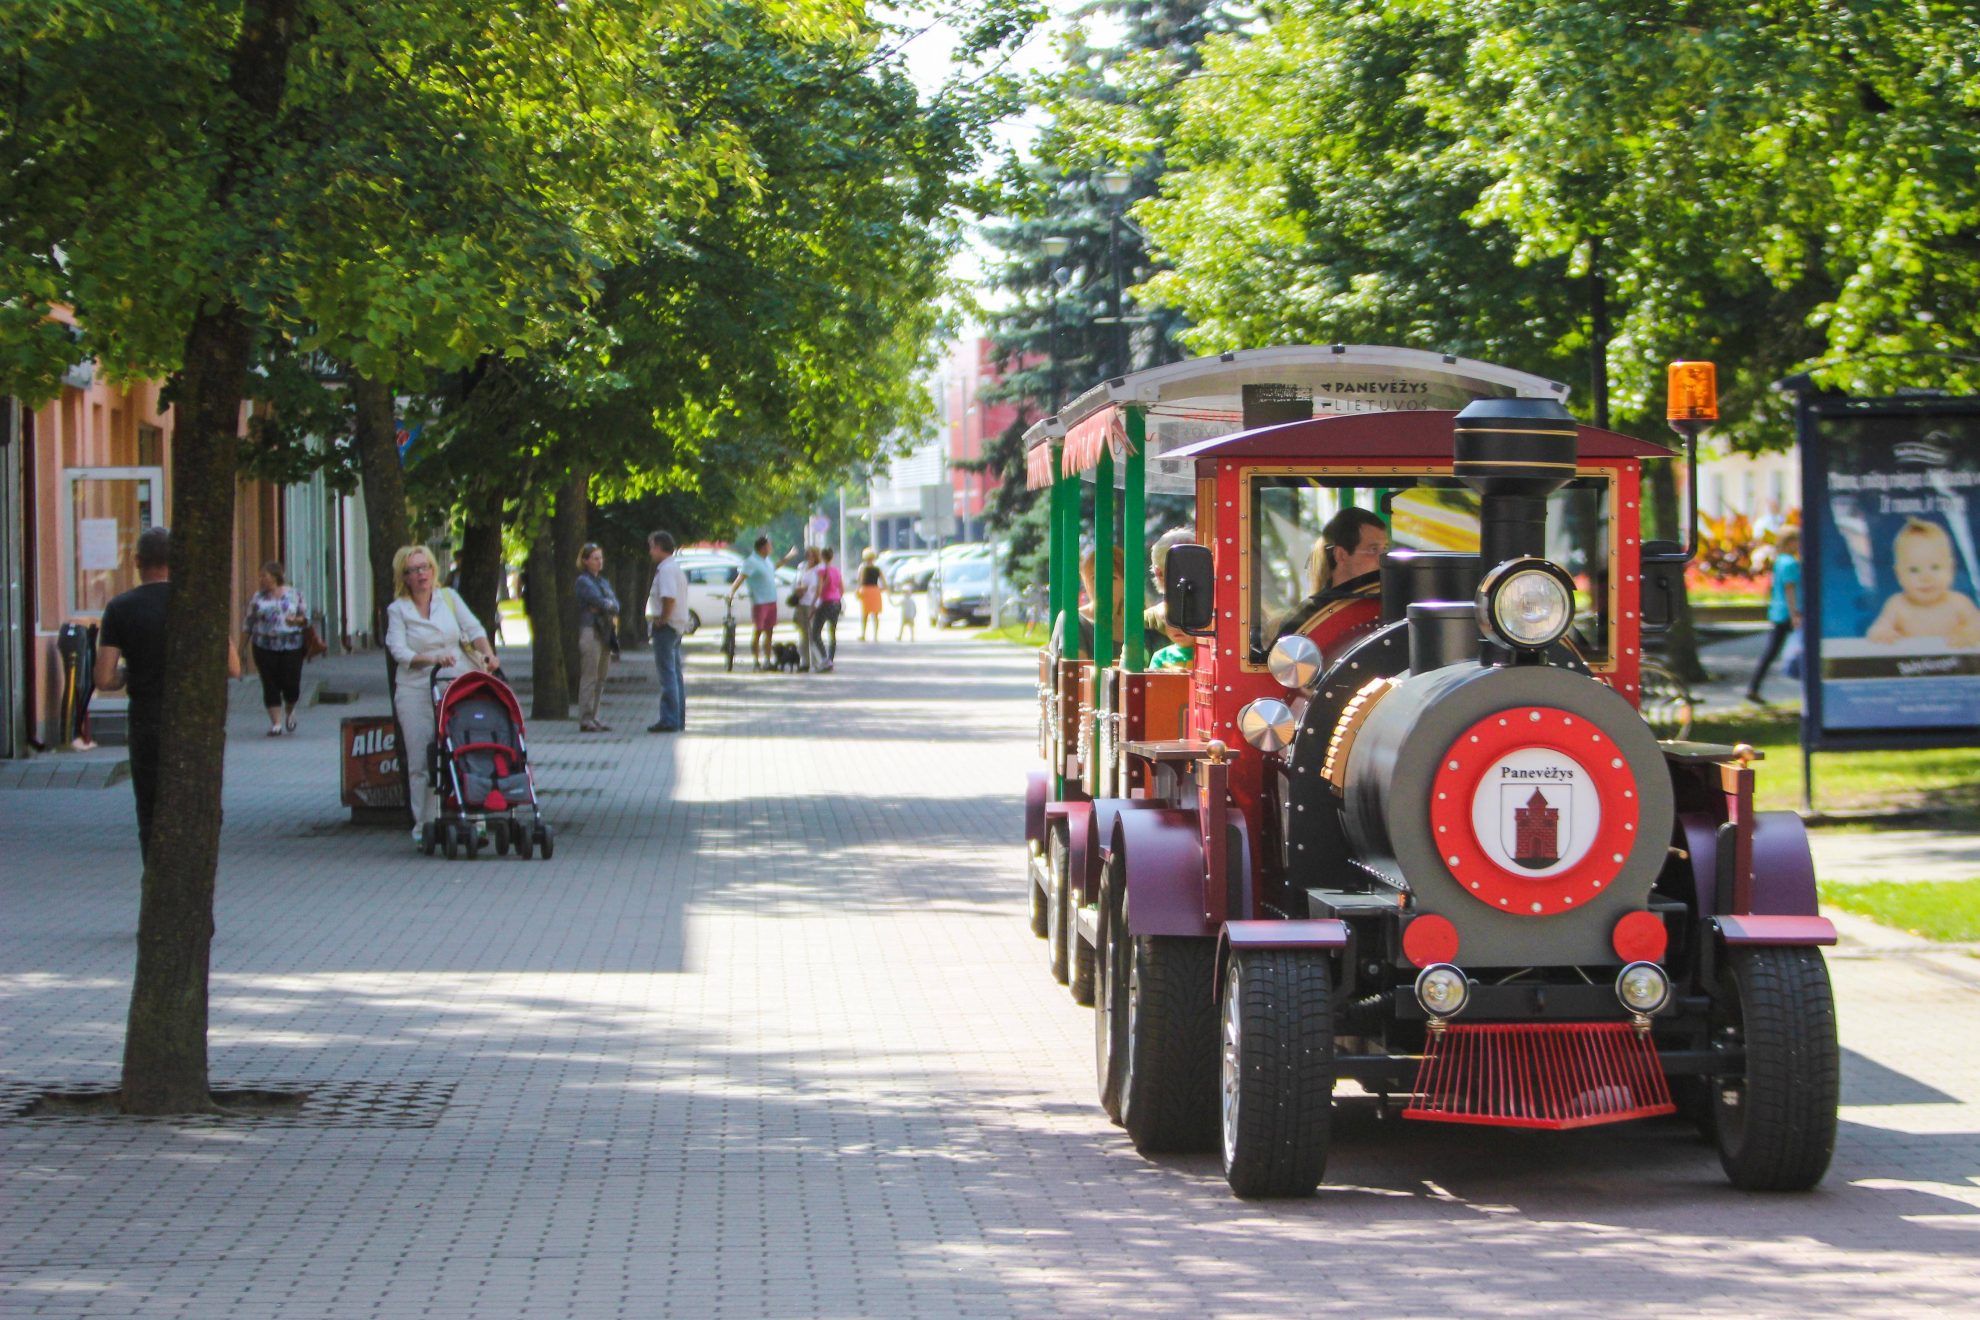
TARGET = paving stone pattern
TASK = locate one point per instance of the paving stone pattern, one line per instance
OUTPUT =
(769, 1038)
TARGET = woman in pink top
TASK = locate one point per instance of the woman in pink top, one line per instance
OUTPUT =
(825, 615)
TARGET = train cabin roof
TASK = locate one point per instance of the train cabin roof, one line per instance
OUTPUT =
(1383, 437)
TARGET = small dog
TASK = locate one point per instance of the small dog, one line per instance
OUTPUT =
(786, 658)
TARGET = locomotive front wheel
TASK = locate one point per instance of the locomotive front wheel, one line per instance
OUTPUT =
(1058, 899)
(1776, 1125)
(1036, 891)
(1277, 1069)
(1165, 1025)
(1109, 997)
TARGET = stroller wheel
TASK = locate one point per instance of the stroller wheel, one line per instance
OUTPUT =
(521, 838)
(450, 840)
(546, 840)
(498, 831)
(429, 839)
(471, 836)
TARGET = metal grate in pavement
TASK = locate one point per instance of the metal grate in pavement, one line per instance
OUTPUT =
(324, 1104)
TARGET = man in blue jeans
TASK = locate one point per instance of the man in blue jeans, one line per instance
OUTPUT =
(666, 613)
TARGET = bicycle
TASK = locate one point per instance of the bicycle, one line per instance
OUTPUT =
(729, 636)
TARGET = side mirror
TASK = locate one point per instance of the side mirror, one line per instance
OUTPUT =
(1189, 580)
(1663, 584)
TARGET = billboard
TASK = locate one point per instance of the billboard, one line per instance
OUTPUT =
(1892, 570)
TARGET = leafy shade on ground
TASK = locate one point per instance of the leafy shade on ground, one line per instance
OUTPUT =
(1946, 910)
(1941, 780)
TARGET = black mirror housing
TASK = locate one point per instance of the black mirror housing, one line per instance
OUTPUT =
(1189, 582)
(1663, 583)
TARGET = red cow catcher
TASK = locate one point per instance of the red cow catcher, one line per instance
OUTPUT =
(1408, 832)
(480, 769)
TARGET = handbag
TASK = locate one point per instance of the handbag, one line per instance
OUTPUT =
(313, 644)
(796, 598)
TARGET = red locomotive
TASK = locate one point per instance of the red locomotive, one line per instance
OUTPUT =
(1403, 828)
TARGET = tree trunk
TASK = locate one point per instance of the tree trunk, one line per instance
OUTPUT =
(1681, 642)
(481, 558)
(549, 697)
(386, 525)
(165, 1035)
(567, 533)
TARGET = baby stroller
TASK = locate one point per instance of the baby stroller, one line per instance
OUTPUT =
(480, 769)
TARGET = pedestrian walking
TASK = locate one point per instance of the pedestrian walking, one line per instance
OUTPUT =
(908, 610)
(760, 576)
(1783, 608)
(272, 632)
(825, 614)
(598, 635)
(130, 655)
(429, 630)
(872, 591)
(666, 613)
(804, 597)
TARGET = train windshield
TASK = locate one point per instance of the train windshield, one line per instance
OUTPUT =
(1290, 576)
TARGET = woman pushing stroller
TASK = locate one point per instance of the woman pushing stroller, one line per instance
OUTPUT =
(427, 627)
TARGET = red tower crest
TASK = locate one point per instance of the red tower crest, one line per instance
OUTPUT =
(1536, 833)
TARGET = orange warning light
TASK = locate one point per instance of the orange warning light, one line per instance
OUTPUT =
(1694, 392)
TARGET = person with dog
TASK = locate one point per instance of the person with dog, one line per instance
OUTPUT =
(428, 629)
(760, 576)
(666, 613)
(598, 635)
(804, 598)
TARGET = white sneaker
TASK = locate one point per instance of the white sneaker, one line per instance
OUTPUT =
(419, 844)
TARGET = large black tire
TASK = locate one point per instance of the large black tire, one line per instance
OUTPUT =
(1277, 1070)
(1036, 893)
(1166, 1014)
(1776, 1125)
(1110, 1008)
(1058, 901)
(1080, 958)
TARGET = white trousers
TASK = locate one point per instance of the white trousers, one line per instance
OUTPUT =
(414, 707)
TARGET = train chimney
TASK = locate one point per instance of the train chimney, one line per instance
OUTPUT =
(1514, 453)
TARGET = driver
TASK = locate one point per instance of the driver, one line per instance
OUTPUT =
(1347, 562)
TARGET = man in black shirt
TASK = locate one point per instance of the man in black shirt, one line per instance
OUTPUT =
(133, 631)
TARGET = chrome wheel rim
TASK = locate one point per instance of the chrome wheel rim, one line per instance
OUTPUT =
(1229, 1067)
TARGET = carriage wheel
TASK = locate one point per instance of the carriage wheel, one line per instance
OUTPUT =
(1036, 891)
(1058, 910)
(1277, 1072)
(471, 838)
(1776, 1125)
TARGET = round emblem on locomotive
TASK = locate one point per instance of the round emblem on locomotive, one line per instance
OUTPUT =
(1534, 810)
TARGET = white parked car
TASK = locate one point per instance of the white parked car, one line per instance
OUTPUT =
(708, 575)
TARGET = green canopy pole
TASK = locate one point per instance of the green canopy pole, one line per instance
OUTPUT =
(1065, 557)
(1103, 560)
(1134, 541)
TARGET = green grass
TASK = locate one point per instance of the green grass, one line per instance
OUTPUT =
(1946, 780)
(1936, 909)
(1016, 633)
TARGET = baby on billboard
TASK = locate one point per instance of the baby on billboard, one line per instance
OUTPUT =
(1925, 605)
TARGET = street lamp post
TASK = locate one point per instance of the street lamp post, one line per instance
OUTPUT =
(1055, 248)
(1115, 183)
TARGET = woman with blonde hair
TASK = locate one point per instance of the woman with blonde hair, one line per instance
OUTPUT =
(428, 628)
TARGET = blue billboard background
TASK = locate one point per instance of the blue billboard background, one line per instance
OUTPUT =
(1896, 523)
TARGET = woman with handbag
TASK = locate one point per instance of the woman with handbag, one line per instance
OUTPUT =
(274, 630)
(598, 614)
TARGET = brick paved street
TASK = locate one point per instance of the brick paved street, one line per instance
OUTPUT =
(769, 1038)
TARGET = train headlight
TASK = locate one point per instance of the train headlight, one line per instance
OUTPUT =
(1643, 987)
(1443, 990)
(1528, 603)
(1267, 724)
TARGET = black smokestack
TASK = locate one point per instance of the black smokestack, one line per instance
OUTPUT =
(1514, 453)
